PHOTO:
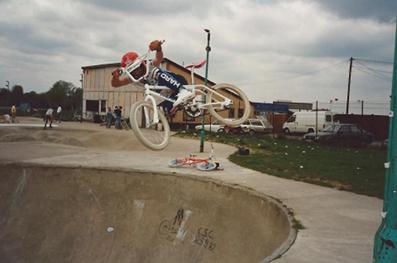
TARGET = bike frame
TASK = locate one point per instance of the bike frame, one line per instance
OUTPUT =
(192, 160)
(150, 94)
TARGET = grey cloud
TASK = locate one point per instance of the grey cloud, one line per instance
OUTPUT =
(27, 39)
(156, 8)
(382, 10)
(364, 40)
(253, 42)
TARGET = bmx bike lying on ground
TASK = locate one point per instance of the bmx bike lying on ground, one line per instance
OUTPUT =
(202, 164)
(149, 121)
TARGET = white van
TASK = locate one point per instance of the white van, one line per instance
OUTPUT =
(305, 121)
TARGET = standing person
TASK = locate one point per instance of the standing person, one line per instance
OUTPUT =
(117, 115)
(109, 117)
(13, 114)
(155, 76)
(7, 118)
(48, 117)
(59, 110)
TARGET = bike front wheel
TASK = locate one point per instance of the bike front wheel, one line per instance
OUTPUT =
(236, 111)
(206, 166)
(154, 135)
(175, 163)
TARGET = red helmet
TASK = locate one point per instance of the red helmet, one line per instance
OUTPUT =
(128, 58)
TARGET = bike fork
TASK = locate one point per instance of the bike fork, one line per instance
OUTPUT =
(156, 119)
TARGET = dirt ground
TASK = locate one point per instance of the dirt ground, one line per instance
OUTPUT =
(87, 135)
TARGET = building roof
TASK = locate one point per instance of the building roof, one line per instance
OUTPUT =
(169, 61)
(296, 105)
(165, 60)
(269, 107)
(107, 65)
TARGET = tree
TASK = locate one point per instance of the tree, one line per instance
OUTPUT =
(35, 99)
(76, 99)
(4, 97)
(16, 95)
(60, 94)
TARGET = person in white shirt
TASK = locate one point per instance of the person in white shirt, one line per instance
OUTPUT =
(59, 110)
(48, 118)
(7, 118)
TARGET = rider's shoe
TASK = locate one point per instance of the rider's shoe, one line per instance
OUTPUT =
(183, 96)
(172, 112)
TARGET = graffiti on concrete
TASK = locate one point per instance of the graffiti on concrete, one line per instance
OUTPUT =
(168, 230)
(172, 229)
(205, 238)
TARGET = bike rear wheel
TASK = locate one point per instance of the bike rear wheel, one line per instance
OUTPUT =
(175, 163)
(239, 104)
(153, 135)
(206, 166)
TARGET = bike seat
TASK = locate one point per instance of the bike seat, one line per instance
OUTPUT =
(198, 65)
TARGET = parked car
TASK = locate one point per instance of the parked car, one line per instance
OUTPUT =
(341, 133)
(234, 129)
(216, 126)
(253, 126)
(305, 121)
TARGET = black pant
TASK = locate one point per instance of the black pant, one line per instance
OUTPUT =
(48, 118)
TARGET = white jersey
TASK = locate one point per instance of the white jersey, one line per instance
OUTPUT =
(49, 111)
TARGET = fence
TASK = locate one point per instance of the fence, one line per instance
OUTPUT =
(378, 125)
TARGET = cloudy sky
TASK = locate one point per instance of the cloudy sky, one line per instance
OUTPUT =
(273, 49)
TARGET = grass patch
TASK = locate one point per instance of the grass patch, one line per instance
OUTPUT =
(296, 224)
(359, 170)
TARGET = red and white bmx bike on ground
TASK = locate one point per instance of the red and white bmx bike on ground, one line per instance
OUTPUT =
(202, 164)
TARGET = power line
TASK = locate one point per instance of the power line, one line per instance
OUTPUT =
(375, 70)
(381, 77)
(374, 61)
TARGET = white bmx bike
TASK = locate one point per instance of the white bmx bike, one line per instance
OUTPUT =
(149, 122)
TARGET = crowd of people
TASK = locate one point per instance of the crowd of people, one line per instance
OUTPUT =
(51, 115)
(115, 115)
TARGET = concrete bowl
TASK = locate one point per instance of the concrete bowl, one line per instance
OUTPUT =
(74, 214)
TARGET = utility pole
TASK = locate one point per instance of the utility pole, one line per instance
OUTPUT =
(207, 49)
(385, 245)
(8, 95)
(316, 119)
(82, 95)
(348, 86)
(362, 107)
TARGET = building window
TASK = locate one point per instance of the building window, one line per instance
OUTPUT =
(103, 105)
(231, 114)
(92, 105)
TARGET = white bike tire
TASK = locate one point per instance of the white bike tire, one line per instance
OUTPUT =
(174, 163)
(244, 103)
(209, 166)
(139, 132)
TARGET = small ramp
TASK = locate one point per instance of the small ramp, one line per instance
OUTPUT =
(25, 125)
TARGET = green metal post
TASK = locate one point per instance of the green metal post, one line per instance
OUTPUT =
(385, 246)
(202, 132)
